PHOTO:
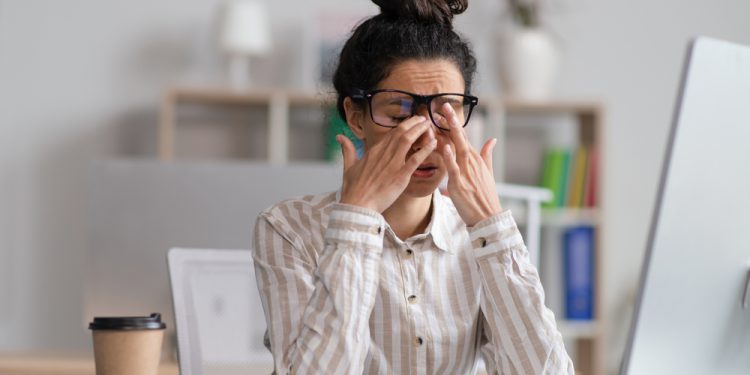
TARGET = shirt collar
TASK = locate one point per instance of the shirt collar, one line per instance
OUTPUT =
(438, 228)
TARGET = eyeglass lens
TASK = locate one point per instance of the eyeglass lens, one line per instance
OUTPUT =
(390, 108)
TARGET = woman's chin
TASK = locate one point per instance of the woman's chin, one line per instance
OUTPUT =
(421, 187)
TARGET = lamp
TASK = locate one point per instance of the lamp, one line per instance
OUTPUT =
(245, 33)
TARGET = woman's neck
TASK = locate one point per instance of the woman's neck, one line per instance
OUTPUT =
(408, 216)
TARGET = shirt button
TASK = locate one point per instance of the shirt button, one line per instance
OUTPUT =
(409, 252)
(483, 241)
(418, 341)
(412, 298)
(377, 229)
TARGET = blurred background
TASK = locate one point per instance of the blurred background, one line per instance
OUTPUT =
(83, 81)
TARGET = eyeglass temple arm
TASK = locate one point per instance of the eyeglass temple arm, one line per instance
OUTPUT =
(357, 94)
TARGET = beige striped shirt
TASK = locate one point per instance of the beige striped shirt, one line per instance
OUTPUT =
(342, 294)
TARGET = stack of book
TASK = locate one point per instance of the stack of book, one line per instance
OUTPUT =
(571, 175)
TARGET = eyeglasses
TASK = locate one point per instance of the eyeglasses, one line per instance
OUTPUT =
(389, 107)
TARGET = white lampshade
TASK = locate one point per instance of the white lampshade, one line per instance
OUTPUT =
(246, 30)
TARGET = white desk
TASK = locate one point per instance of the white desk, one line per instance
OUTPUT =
(82, 363)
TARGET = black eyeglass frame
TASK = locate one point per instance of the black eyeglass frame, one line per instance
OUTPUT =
(470, 100)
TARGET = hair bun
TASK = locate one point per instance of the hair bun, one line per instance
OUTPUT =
(438, 11)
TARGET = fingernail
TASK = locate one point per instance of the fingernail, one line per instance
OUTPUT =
(420, 118)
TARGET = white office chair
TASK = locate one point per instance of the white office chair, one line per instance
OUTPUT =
(526, 203)
(218, 313)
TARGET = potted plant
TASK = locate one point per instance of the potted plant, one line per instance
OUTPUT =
(525, 12)
(529, 56)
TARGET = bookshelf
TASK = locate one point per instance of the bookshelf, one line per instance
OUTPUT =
(525, 131)
(278, 105)
(521, 139)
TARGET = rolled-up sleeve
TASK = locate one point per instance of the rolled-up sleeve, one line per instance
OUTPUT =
(520, 333)
(317, 314)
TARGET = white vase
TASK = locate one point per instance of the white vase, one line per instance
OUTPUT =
(530, 62)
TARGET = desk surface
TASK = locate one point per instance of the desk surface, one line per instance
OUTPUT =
(82, 363)
(62, 363)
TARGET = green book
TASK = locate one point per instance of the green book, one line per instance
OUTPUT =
(545, 175)
(552, 175)
(564, 177)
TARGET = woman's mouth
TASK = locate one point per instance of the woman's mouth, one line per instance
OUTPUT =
(425, 171)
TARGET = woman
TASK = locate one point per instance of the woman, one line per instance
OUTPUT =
(387, 275)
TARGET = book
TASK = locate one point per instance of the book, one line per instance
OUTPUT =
(578, 249)
(545, 178)
(577, 178)
(553, 176)
(592, 176)
(563, 187)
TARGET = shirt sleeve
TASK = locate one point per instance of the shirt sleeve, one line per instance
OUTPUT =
(520, 333)
(317, 315)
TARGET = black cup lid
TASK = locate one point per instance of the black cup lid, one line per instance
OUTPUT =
(128, 323)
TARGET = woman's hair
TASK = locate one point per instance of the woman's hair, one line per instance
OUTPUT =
(404, 30)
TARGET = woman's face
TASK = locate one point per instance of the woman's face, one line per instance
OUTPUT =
(423, 77)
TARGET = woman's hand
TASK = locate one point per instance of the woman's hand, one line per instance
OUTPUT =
(376, 181)
(471, 183)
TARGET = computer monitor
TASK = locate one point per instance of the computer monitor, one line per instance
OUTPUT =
(693, 310)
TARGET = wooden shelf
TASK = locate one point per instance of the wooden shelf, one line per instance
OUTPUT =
(578, 329)
(278, 102)
(559, 217)
(224, 96)
(570, 216)
(551, 106)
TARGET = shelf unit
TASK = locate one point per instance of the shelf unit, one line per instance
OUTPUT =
(278, 102)
(497, 112)
(588, 121)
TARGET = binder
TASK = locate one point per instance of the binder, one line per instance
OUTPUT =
(578, 247)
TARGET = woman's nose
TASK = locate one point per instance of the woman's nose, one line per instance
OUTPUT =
(423, 111)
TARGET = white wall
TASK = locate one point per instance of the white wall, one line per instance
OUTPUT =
(81, 79)
(630, 54)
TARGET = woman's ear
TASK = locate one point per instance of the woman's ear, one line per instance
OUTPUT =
(354, 118)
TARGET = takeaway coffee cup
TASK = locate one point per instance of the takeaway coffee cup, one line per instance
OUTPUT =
(127, 345)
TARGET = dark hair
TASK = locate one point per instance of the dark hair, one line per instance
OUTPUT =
(404, 30)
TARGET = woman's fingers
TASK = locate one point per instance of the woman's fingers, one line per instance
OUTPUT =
(405, 137)
(348, 151)
(450, 163)
(418, 157)
(456, 133)
(486, 152)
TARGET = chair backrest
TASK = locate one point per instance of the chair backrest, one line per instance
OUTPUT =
(218, 313)
(531, 199)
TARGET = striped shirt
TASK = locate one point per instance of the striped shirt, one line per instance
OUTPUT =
(342, 294)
